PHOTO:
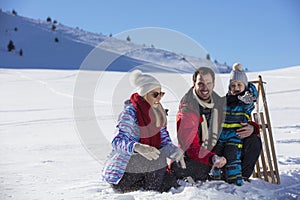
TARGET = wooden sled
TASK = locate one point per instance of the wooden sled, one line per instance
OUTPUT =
(266, 167)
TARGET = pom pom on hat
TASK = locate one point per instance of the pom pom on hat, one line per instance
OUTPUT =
(237, 67)
(143, 82)
(237, 74)
(133, 78)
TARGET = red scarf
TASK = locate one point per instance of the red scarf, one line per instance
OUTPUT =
(150, 134)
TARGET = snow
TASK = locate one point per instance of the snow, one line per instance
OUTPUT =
(43, 156)
(56, 125)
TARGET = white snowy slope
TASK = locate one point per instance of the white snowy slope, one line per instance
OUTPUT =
(44, 156)
(37, 38)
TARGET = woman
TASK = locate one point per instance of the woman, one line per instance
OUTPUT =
(142, 144)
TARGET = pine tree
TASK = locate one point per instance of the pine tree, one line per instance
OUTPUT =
(48, 19)
(128, 39)
(10, 46)
(208, 57)
(14, 12)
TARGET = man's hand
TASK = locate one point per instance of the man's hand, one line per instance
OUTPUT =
(245, 131)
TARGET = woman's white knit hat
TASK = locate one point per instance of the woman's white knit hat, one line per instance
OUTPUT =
(237, 73)
(143, 82)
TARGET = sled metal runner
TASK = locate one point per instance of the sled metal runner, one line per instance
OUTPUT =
(266, 167)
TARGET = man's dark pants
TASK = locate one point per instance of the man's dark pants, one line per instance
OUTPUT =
(198, 171)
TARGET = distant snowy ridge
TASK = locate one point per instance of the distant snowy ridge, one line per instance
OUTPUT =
(51, 45)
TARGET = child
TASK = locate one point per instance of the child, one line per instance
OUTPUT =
(240, 104)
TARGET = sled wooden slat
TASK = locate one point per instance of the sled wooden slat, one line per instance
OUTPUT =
(267, 151)
(271, 140)
(256, 173)
(261, 161)
(266, 167)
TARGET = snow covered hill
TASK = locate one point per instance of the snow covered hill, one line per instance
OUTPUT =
(47, 44)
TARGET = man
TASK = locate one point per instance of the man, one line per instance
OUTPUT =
(199, 121)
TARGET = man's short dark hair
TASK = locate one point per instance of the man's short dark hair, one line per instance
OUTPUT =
(204, 71)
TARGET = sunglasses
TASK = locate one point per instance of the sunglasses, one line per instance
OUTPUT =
(155, 94)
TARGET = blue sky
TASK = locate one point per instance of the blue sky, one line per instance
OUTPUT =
(261, 35)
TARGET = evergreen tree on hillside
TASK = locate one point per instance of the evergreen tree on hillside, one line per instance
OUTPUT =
(48, 19)
(10, 46)
(128, 39)
(14, 12)
(208, 57)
